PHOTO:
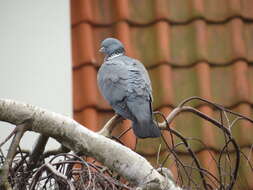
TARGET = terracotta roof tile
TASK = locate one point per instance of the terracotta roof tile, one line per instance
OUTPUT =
(80, 9)
(163, 34)
(99, 12)
(246, 7)
(82, 35)
(84, 79)
(192, 43)
(123, 34)
(185, 84)
(190, 48)
(241, 83)
(204, 78)
(250, 78)
(162, 85)
(222, 86)
(222, 53)
(96, 11)
(248, 37)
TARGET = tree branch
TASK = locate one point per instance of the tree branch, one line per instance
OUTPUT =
(59, 176)
(19, 131)
(110, 125)
(61, 149)
(78, 138)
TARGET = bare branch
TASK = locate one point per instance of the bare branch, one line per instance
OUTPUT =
(56, 174)
(8, 137)
(110, 125)
(19, 131)
(117, 157)
(61, 149)
(78, 138)
(37, 151)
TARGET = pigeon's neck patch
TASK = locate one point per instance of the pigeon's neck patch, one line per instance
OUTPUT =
(114, 55)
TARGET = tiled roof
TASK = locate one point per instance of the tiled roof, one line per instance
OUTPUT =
(190, 48)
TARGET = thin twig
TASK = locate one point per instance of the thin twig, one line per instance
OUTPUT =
(110, 125)
(8, 137)
(20, 129)
(61, 149)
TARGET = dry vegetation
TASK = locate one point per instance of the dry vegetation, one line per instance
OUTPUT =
(62, 169)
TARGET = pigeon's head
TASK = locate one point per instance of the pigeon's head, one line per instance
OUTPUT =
(110, 46)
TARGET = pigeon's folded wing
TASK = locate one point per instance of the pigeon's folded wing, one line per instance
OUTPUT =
(139, 80)
(112, 81)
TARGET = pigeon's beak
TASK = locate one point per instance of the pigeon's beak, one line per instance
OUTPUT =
(102, 49)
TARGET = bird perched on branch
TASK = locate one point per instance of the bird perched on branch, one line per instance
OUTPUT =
(125, 84)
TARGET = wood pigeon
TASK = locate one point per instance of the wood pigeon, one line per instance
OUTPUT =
(125, 84)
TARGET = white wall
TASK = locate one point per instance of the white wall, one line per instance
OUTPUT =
(35, 60)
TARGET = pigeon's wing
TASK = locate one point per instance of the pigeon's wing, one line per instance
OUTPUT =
(139, 101)
(113, 84)
(139, 80)
(112, 81)
(145, 76)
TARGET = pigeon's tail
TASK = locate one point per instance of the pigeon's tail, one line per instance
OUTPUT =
(146, 129)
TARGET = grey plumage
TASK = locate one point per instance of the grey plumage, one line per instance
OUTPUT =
(125, 84)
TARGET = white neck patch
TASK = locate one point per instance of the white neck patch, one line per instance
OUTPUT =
(114, 55)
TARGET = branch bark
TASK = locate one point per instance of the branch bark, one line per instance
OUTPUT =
(78, 138)
(110, 125)
(19, 131)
